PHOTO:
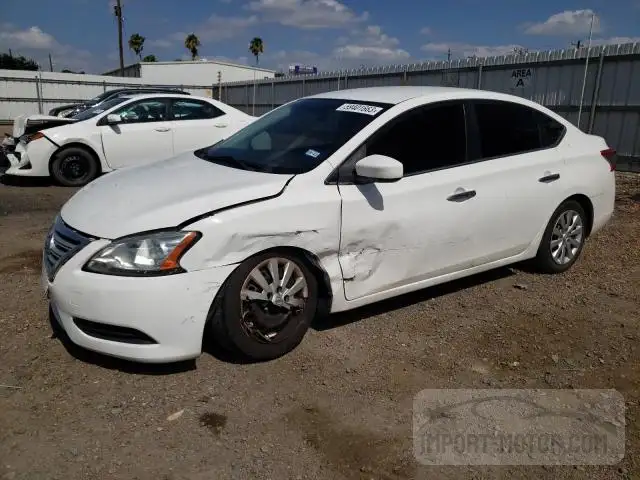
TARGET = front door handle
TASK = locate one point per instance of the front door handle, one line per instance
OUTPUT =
(222, 125)
(162, 129)
(549, 178)
(462, 196)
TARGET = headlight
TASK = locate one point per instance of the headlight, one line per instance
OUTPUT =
(144, 255)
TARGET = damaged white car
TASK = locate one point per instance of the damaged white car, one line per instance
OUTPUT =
(324, 204)
(124, 131)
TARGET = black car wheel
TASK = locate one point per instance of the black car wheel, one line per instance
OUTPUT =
(74, 167)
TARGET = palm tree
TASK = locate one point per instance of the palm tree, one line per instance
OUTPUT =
(136, 43)
(256, 47)
(150, 58)
(192, 43)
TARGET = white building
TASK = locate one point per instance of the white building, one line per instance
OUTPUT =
(198, 72)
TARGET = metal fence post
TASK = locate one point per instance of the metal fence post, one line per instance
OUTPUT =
(596, 92)
(246, 97)
(38, 93)
(303, 86)
(104, 85)
(404, 75)
(479, 77)
(273, 94)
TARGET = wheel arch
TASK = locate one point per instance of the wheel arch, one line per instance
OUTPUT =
(311, 260)
(81, 145)
(587, 205)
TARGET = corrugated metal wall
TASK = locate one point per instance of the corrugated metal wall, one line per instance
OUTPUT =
(38, 92)
(610, 108)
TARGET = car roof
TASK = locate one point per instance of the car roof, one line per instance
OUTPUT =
(145, 89)
(395, 95)
(138, 96)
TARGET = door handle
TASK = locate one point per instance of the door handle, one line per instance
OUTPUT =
(462, 196)
(222, 125)
(549, 178)
(162, 129)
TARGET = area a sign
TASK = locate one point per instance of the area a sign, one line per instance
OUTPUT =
(521, 77)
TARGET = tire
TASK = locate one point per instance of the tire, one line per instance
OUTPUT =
(545, 260)
(74, 167)
(246, 337)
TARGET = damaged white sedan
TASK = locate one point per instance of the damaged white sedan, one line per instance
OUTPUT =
(324, 204)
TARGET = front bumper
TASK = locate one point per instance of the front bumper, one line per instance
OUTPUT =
(31, 160)
(171, 310)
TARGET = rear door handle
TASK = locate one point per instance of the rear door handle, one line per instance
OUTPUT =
(549, 178)
(162, 129)
(462, 196)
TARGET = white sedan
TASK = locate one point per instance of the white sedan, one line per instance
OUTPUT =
(124, 131)
(325, 204)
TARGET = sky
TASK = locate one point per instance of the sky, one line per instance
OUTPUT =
(329, 34)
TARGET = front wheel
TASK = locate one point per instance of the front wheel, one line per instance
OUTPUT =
(563, 239)
(74, 167)
(266, 306)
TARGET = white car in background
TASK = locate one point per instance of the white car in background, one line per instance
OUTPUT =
(125, 131)
(329, 202)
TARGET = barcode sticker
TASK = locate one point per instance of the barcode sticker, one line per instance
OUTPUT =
(359, 108)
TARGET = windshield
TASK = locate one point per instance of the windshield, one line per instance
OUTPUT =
(98, 109)
(99, 98)
(295, 138)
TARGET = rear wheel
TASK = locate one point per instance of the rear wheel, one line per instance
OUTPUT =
(266, 306)
(74, 167)
(563, 238)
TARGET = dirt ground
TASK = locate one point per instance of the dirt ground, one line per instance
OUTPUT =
(338, 407)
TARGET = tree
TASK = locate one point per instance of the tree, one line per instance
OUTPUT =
(192, 43)
(136, 43)
(256, 47)
(9, 62)
(150, 58)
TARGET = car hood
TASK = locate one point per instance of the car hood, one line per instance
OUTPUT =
(163, 194)
(32, 123)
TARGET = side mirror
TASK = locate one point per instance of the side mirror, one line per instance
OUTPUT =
(379, 168)
(114, 119)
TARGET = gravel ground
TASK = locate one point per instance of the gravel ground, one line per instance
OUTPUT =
(338, 407)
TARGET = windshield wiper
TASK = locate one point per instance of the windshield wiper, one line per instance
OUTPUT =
(231, 160)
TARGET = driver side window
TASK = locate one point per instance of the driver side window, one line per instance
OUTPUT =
(144, 111)
(426, 138)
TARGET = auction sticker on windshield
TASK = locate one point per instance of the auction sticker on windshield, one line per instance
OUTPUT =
(359, 108)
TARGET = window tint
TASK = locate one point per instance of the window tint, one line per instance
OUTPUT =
(509, 129)
(550, 130)
(152, 110)
(194, 110)
(424, 139)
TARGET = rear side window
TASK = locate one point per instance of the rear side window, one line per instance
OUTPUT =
(508, 128)
(194, 110)
(551, 131)
(424, 139)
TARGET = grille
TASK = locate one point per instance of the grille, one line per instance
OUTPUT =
(62, 243)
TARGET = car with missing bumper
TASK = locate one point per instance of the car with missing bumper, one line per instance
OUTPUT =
(121, 132)
(324, 204)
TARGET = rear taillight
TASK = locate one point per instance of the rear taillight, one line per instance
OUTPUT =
(610, 156)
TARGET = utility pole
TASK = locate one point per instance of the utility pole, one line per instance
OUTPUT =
(449, 55)
(50, 63)
(117, 10)
(219, 86)
(577, 44)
